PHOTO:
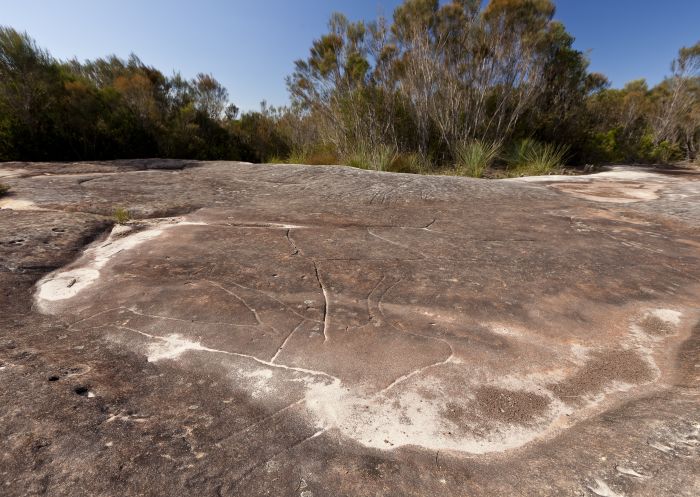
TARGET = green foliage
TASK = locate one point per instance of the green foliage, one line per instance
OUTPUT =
(475, 157)
(107, 108)
(603, 147)
(528, 157)
(438, 74)
(429, 89)
(121, 215)
(615, 146)
(663, 152)
(666, 152)
(263, 134)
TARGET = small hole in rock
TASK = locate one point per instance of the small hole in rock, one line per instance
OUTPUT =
(81, 391)
(53, 378)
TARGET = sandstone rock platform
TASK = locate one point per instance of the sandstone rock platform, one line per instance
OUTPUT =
(325, 331)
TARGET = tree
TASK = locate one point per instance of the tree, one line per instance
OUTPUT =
(30, 87)
(437, 76)
(677, 118)
(209, 96)
(106, 108)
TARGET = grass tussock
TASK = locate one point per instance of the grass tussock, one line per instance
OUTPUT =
(475, 157)
(532, 158)
(411, 163)
(379, 158)
(121, 215)
(313, 156)
(275, 159)
(4, 189)
(297, 156)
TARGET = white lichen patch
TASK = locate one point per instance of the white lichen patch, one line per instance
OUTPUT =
(668, 315)
(261, 380)
(616, 173)
(601, 489)
(66, 283)
(408, 418)
(506, 331)
(17, 204)
(620, 185)
(11, 173)
(580, 352)
(653, 327)
(172, 347)
(387, 419)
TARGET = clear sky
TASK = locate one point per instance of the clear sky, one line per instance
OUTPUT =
(250, 45)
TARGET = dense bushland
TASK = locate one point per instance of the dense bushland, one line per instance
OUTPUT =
(441, 86)
(468, 87)
(112, 108)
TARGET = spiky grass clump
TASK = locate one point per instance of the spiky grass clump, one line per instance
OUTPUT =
(410, 163)
(532, 158)
(319, 155)
(275, 159)
(297, 156)
(475, 157)
(121, 215)
(378, 158)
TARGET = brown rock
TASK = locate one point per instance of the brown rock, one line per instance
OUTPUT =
(325, 331)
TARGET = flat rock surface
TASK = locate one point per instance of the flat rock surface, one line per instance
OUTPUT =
(325, 331)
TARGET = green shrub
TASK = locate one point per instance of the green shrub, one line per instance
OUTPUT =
(121, 215)
(666, 153)
(612, 147)
(475, 157)
(532, 158)
(603, 147)
(662, 153)
(4, 189)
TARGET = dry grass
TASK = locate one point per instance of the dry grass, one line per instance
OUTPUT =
(378, 159)
(531, 158)
(121, 215)
(475, 157)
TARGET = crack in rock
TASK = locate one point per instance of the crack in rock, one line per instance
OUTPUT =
(325, 306)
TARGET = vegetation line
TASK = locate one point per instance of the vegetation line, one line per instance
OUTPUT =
(482, 89)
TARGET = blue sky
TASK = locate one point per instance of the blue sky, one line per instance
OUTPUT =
(250, 45)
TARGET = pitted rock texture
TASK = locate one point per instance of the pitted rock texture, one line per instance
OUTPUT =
(325, 331)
